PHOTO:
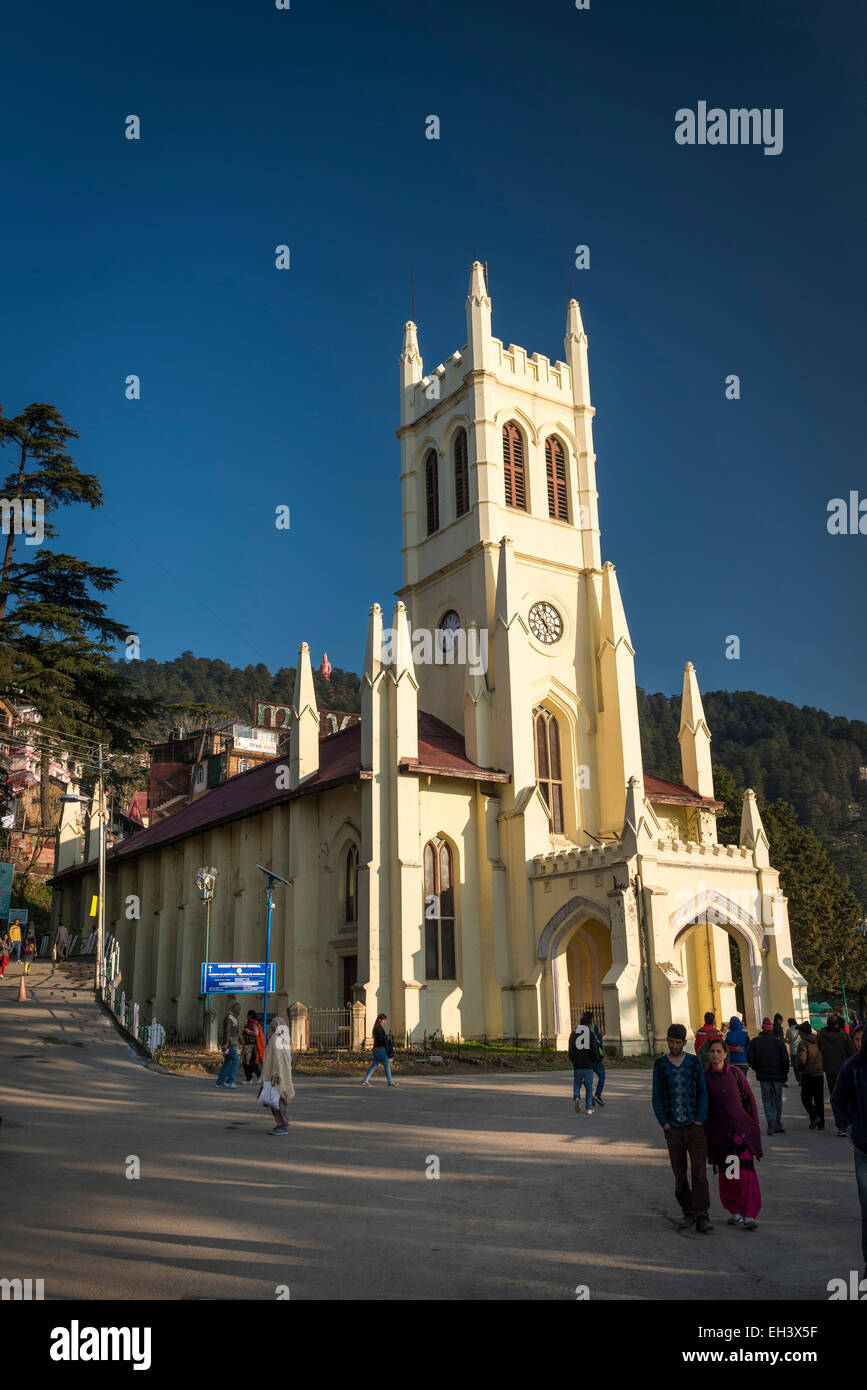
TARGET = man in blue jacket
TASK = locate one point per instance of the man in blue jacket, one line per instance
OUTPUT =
(680, 1104)
(849, 1103)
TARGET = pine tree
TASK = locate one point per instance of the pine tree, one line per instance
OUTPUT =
(57, 642)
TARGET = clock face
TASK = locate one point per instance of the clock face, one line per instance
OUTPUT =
(546, 624)
(449, 624)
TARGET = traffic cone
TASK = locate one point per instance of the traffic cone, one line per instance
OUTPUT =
(22, 990)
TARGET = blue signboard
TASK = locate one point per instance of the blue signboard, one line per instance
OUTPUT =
(222, 977)
(6, 871)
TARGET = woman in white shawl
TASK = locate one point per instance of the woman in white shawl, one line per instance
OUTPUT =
(277, 1069)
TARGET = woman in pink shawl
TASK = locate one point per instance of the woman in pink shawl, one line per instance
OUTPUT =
(734, 1137)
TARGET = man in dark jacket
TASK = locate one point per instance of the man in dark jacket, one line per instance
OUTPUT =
(584, 1054)
(769, 1058)
(849, 1103)
(836, 1048)
(680, 1104)
(704, 1036)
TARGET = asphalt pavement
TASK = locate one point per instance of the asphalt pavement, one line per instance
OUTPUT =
(532, 1201)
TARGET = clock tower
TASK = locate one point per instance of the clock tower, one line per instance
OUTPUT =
(519, 631)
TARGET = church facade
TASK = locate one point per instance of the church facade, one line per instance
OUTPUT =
(484, 854)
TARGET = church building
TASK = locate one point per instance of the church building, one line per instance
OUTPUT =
(484, 853)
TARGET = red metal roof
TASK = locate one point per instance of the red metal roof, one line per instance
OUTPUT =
(441, 749)
(658, 789)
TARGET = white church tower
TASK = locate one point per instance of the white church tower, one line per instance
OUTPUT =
(501, 537)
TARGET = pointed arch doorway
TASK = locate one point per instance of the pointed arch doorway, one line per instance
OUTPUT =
(576, 946)
(718, 952)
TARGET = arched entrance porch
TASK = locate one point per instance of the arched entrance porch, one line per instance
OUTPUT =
(718, 953)
(576, 948)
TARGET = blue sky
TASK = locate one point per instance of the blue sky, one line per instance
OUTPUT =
(262, 387)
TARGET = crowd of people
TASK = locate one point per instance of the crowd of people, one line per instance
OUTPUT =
(709, 1115)
(17, 945)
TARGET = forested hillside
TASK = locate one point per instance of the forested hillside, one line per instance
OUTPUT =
(200, 680)
(806, 757)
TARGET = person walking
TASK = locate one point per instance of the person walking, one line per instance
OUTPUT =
(61, 941)
(252, 1047)
(230, 1039)
(704, 1035)
(15, 938)
(836, 1047)
(734, 1135)
(793, 1037)
(680, 1106)
(277, 1069)
(30, 951)
(585, 1055)
(5, 948)
(737, 1041)
(811, 1076)
(849, 1103)
(768, 1056)
(778, 1027)
(382, 1052)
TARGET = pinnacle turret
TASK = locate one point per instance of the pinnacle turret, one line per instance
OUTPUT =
(694, 737)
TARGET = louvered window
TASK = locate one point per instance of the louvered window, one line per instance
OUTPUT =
(555, 469)
(513, 466)
(433, 492)
(462, 481)
(549, 778)
(439, 912)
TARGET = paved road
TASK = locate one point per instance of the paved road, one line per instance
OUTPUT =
(532, 1200)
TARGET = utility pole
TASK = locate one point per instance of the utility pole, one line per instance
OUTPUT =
(100, 907)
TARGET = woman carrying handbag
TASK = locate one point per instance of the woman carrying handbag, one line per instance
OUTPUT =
(277, 1090)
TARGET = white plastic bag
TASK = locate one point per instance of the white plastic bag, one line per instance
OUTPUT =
(270, 1094)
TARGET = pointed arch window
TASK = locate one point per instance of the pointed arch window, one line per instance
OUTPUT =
(549, 775)
(555, 471)
(439, 911)
(432, 491)
(462, 480)
(513, 466)
(351, 884)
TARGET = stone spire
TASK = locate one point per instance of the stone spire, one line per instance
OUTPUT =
(587, 520)
(575, 346)
(619, 756)
(511, 751)
(753, 835)
(410, 357)
(304, 735)
(477, 702)
(694, 737)
(635, 826)
(478, 318)
(371, 687)
(403, 691)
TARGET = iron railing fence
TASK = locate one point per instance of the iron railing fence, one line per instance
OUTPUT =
(597, 1010)
(488, 1046)
(328, 1030)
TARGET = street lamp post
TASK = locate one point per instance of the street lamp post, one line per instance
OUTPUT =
(100, 907)
(206, 882)
(269, 893)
